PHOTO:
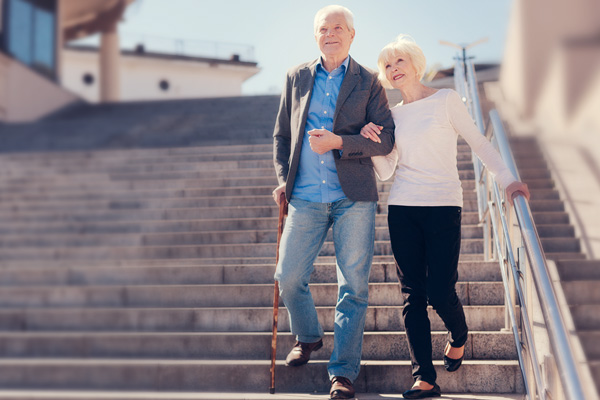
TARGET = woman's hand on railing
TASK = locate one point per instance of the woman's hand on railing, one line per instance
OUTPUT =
(517, 188)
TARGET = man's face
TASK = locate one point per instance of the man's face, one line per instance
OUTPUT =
(333, 36)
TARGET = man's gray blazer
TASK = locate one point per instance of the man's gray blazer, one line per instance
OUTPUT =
(361, 100)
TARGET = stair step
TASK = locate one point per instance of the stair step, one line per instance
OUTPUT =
(248, 295)
(595, 368)
(204, 274)
(534, 173)
(86, 187)
(590, 341)
(230, 345)
(468, 246)
(550, 217)
(578, 269)
(256, 319)
(182, 238)
(171, 262)
(469, 217)
(109, 167)
(126, 194)
(564, 256)
(42, 211)
(546, 183)
(242, 375)
(134, 154)
(136, 193)
(555, 231)
(582, 292)
(464, 174)
(173, 226)
(166, 395)
(379, 318)
(544, 194)
(561, 244)
(141, 202)
(546, 205)
(42, 207)
(586, 316)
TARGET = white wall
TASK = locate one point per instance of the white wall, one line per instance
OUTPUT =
(140, 77)
(27, 96)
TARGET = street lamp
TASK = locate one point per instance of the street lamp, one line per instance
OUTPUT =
(464, 47)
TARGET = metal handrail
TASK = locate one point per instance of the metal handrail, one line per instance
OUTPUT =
(492, 208)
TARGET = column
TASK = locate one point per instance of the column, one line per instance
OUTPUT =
(109, 65)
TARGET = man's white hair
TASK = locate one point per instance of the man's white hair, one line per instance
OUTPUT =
(334, 9)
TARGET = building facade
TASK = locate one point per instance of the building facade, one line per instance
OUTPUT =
(155, 76)
(39, 74)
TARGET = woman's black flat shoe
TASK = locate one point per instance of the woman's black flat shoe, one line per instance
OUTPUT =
(452, 364)
(422, 394)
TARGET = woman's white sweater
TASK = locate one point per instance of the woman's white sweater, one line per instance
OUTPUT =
(426, 148)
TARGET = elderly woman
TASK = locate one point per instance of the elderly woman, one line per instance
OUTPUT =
(425, 204)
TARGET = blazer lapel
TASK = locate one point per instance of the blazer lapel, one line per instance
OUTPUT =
(350, 81)
(306, 83)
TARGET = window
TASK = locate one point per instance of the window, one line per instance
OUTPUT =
(29, 33)
(88, 79)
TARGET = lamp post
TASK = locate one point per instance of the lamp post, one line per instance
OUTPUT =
(463, 48)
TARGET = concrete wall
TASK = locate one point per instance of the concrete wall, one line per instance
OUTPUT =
(550, 85)
(140, 77)
(27, 96)
(538, 33)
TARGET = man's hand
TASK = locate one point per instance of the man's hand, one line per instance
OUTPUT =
(515, 189)
(277, 193)
(321, 141)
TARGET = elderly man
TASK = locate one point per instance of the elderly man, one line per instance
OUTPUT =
(324, 168)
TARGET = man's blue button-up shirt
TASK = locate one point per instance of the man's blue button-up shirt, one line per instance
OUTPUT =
(317, 178)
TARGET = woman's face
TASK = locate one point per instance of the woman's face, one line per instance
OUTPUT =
(400, 71)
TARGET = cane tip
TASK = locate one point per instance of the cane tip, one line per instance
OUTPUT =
(272, 390)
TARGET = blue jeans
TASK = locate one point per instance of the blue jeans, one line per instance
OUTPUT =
(353, 237)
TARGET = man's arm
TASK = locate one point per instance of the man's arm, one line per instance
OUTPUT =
(378, 111)
(282, 135)
(356, 146)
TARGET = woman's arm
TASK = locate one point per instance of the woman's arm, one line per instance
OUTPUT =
(463, 124)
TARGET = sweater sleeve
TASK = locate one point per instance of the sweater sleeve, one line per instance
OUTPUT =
(463, 124)
(385, 165)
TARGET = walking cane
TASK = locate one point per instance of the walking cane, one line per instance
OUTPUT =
(283, 208)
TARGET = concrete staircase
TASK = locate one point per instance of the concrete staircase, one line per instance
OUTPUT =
(579, 277)
(147, 124)
(556, 232)
(148, 274)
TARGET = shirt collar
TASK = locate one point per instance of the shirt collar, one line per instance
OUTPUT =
(344, 64)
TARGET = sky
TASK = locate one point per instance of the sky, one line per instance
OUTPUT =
(281, 31)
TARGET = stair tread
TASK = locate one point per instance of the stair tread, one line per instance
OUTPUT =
(137, 395)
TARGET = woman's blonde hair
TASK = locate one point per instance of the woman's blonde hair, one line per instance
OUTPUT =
(405, 46)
